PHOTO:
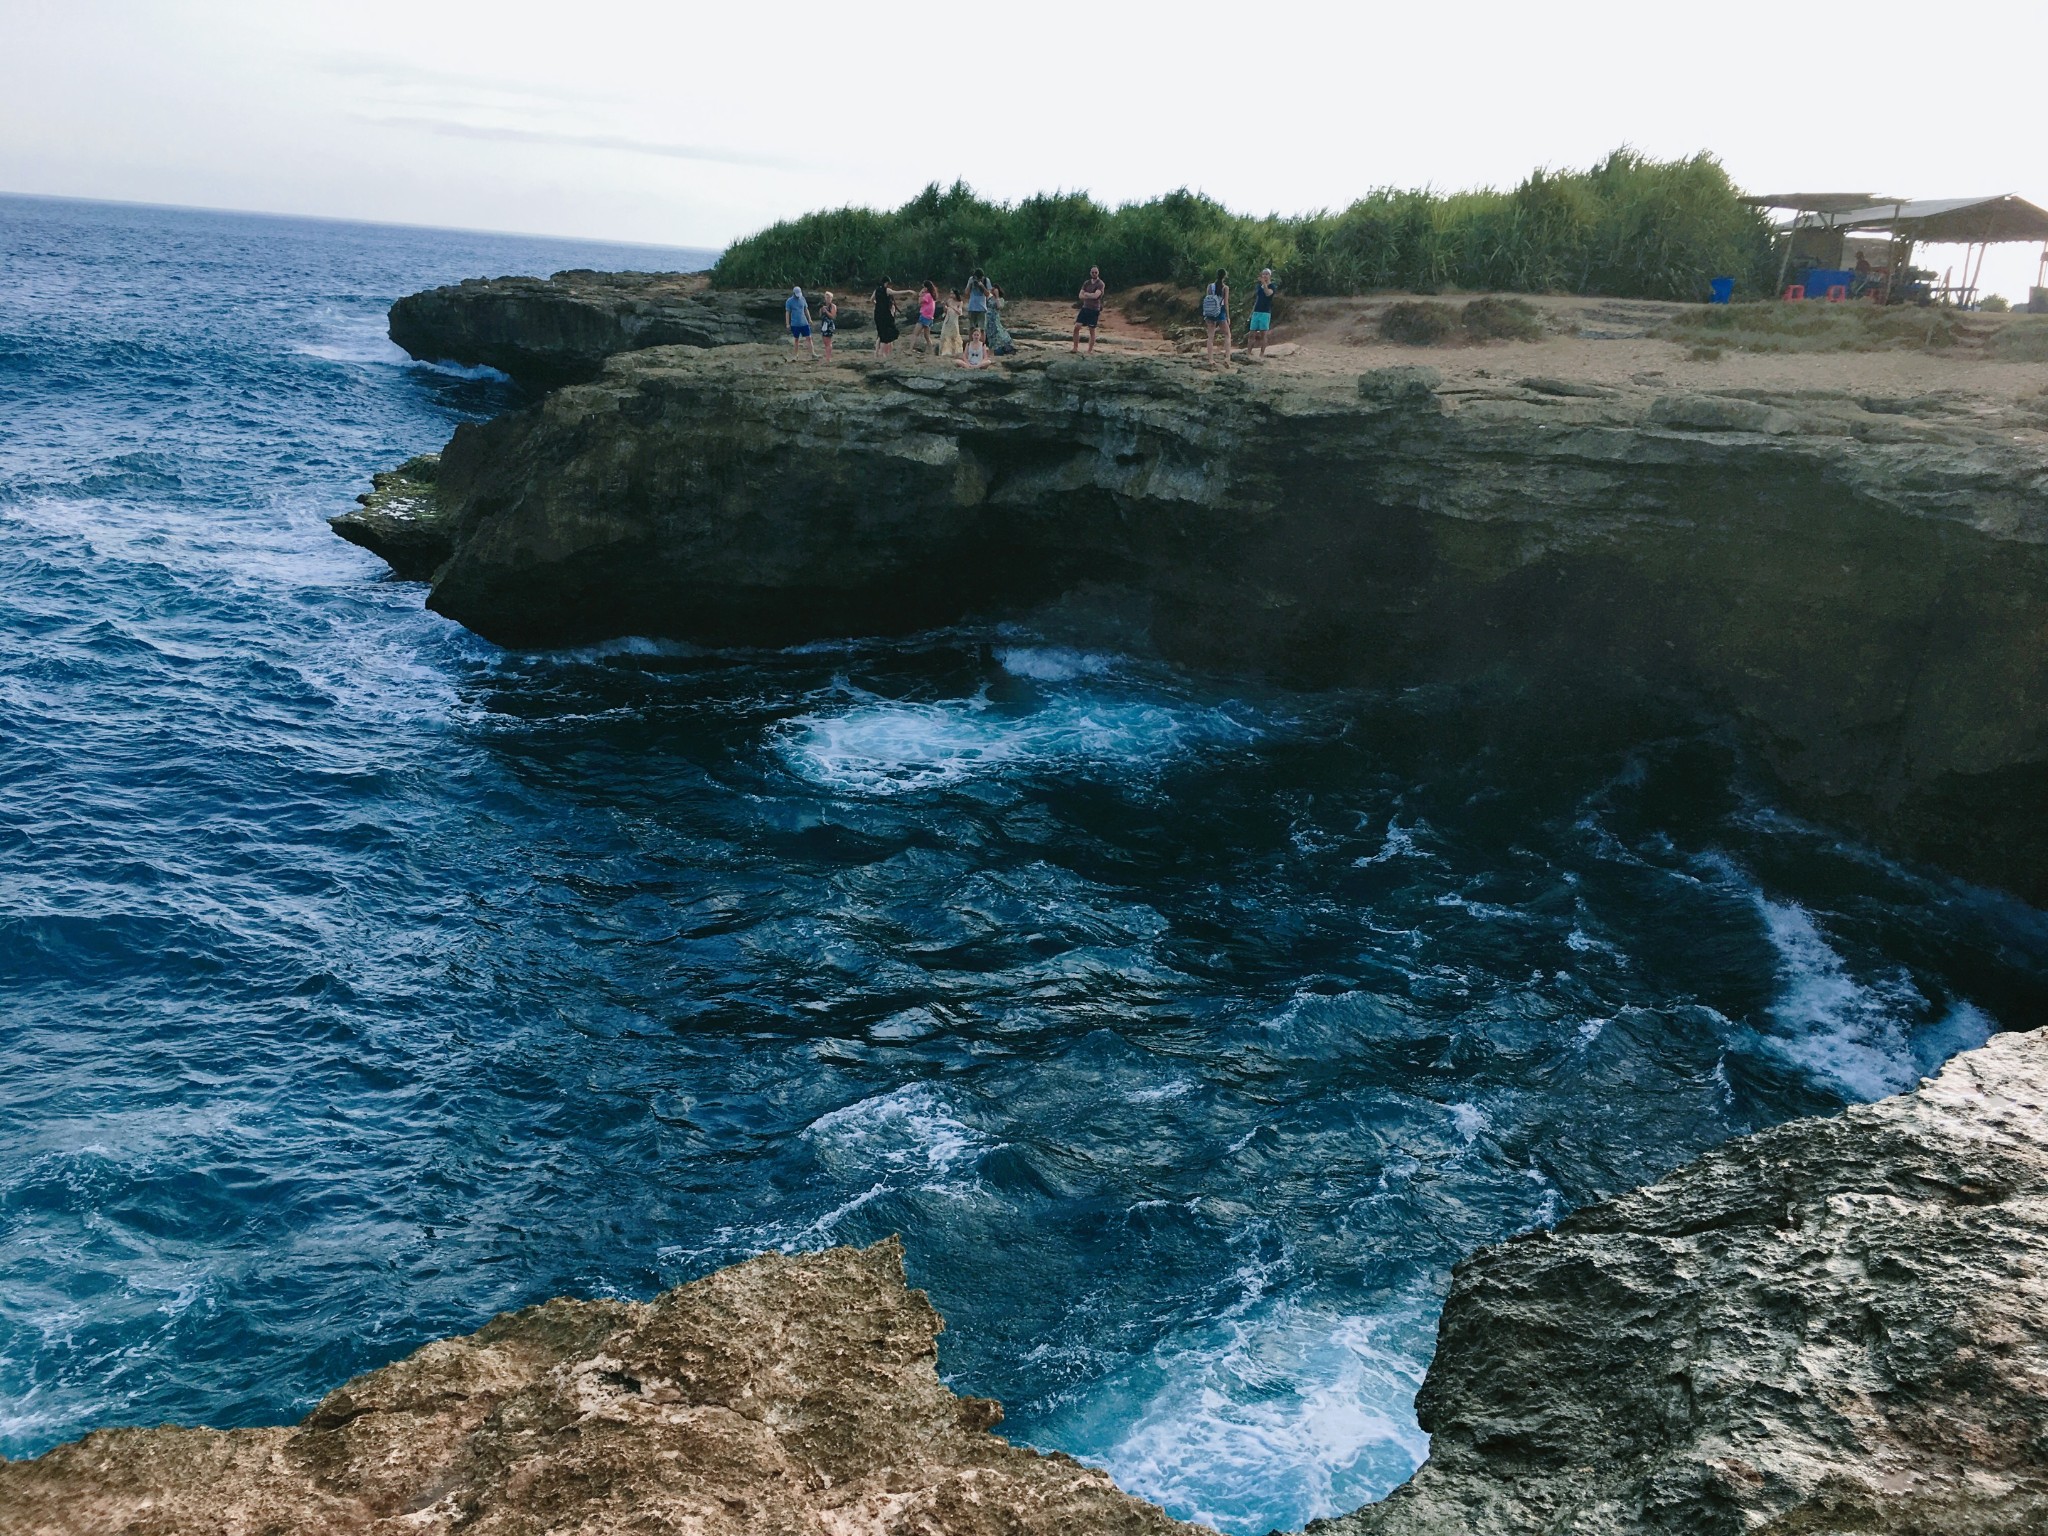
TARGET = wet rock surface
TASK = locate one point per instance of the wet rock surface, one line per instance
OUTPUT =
(781, 1395)
(400, 519)
(1863, 594)
(559, 330)
(1836, 1325)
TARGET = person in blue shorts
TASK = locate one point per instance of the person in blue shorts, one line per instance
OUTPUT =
(798, 309)
(1262, 313)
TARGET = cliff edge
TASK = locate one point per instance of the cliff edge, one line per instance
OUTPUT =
(1838, 1325)
(1860, 585)
(781, 1395)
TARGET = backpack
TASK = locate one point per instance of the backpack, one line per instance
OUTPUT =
(1212, 304)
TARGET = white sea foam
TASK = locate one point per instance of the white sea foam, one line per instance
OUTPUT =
(907, 1134)
(465, 370)
(1281, 1412)
(894, 748)
(1470, 1121)
(1854, 1035)
(1051, 663)
(1397, 843)
(352, 339)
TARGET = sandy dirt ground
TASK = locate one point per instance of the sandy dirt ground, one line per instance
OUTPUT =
(1596, 341)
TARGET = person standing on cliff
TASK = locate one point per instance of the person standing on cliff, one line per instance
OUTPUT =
(885, 317)
(1262, 314)
(798, 309)
(1216, 316)
(1090, 315)
(828, 322)
(949, 332)
(977, 301)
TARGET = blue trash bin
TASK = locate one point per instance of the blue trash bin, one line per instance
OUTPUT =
(1724, 289)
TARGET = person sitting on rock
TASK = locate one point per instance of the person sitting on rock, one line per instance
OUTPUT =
(1090, 314)
(798, 309)
(978, 355)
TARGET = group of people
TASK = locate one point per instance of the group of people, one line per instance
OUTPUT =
(967, 326)
(970, 327)
(1216, 316)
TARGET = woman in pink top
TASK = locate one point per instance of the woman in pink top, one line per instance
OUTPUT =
(927, 315)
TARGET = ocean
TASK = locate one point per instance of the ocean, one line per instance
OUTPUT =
(360, 980)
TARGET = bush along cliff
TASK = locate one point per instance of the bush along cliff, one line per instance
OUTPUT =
(1629, 227)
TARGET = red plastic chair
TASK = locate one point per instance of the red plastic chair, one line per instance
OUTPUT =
(1796, 292)
(1838, 294)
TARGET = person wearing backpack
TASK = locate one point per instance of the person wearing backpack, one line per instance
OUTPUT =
(1216, 316)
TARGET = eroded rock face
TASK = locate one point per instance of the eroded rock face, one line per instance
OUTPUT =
(400, 519)
(559, 330)
(1840, 1325)
(1864, 594)
(782, 1395)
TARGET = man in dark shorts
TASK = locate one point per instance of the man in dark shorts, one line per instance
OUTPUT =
(1090, 315)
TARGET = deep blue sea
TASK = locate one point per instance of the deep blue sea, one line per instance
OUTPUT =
(359, 980)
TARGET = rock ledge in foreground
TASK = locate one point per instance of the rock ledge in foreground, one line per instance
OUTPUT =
(1838, 1325)
(785, 1394)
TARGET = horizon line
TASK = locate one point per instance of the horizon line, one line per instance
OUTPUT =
(338, 218)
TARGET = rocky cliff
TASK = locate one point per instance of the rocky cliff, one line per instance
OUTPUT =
(559, 330)
(782, 1395)
(1837, 1325)
(1861, 586)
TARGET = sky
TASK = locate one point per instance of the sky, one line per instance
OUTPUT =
(689, 124)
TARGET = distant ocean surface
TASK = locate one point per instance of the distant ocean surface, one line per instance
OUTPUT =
(359, 980)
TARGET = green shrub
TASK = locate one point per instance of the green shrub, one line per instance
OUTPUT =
(1995, 304)
(2022, 339)
(1491, 319)
(1630, 227)
(1418, 323)
(1770, 326)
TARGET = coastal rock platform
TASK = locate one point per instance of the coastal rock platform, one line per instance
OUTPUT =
(1858, 585)
(781, 1395)
(1835, 1325)
(559, 330)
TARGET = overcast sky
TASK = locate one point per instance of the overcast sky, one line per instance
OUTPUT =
(682, 123)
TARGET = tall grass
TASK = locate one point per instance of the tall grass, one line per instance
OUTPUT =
(1630, 227)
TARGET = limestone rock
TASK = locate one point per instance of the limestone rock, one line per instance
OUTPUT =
(1409, 384)
(1715, 413)
(1864, 601)
(1839, 1325)
(559, 330)
(400, 519)
(781, 1395)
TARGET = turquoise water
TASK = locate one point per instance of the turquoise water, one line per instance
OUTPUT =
(361, 979)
